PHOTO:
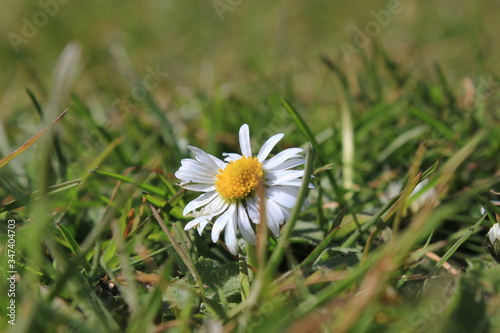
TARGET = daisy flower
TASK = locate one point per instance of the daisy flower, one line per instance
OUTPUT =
(229, 189)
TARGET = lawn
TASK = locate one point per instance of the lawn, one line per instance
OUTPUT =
(395, 105)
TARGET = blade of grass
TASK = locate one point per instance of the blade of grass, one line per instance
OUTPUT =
(37, 194)
(311, 258)
(72, 244)
(35, 102)
(444, 83)
(408, 136)
(31, 141)
(152, 301)
(455, 246)
(90, 241)
(347, 148)
(427, 219)
(309, 135)
(442, 128)
(283, 241)
(180, 251)
(143, 186)
(264, 274)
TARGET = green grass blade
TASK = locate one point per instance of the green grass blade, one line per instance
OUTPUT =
(311, 258)
(35, 195)
(455, 246)
(433, 122)
(72, 244)
(279, 251)
(129, 180)
(309, 135)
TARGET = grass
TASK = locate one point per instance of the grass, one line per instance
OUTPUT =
(402, 142)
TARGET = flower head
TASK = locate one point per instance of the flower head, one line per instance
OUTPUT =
(229, 188)
(493, 242)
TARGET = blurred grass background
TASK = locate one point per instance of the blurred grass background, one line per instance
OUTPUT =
(430, 76)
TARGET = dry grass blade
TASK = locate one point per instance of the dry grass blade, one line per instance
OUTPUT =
(30, 142)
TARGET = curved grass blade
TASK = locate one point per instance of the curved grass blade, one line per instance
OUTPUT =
(35, 195)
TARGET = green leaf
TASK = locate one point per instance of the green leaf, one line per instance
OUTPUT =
(219, 277)
(180, 294)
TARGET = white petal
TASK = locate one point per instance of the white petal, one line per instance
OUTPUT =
(245, 226)
(494, 233)
(202, 226)
(196, 222)
(231, 157)
(206, 159)
(491, 234)
(284, 195)
(297, 182)
(196, 167)
(199, 187)
(215, 207)
(230, 234)
(281, 157)
(194, 178)
(202, 200)
(292, 163)
(285, 212)
(220, 163)
(276, 178)
(274, 217)
(221, 222)
(253, 210)
(268, 146)
(246, 149)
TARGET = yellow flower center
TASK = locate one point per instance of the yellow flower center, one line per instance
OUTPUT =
(239, 179)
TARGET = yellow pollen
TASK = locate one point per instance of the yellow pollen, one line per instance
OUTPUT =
(239, 179)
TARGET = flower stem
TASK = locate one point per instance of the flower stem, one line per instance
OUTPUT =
(246, 275)
(251, 256)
